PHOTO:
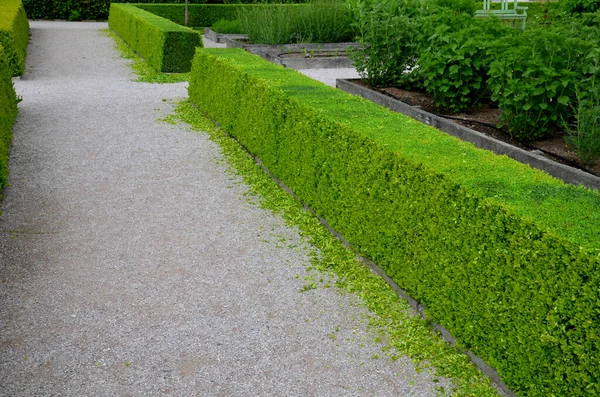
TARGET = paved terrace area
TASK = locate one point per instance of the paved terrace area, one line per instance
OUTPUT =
(131, 264)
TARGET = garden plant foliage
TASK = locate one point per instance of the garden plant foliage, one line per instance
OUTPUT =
(166, 46)
(8, 114)
(504, 256)
(533, 76)
(14, 34)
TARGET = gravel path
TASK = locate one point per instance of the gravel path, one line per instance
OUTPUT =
(132, 265)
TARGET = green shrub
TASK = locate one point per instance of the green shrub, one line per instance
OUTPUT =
(390, 38)
(8, 113)
(534, 79)
(319, 21)
(14, 34)
(454, 65)
(583, 135)
(579, 6)
(166, 46)
(227, 27)
(504, 256)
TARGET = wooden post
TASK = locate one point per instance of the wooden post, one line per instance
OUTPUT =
(186, 13)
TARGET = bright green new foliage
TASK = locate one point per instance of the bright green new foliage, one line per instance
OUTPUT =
(8, 113)
(166, 46)
(14, 34)
(505, 257)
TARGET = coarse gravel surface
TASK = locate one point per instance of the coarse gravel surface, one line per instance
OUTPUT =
(132, 264)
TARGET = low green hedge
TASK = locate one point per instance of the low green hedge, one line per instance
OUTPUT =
(8, 113)
(166, 46)
(14, 34)
(504, 256)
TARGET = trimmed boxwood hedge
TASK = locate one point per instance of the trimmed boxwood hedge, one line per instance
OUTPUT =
(504, 256)
(8, 113)
(166, 46)
(14, 34)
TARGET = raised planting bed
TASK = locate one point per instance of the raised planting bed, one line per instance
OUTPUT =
(300, 56)
(222, 37)
(534, 158)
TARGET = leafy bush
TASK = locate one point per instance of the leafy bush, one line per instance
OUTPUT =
(390, 38)
(583, 135)
(8, 113)
(504, 256)
(166, 46)
(227, 26)
(319, 21)
(579, 6)
(534, 79)
(454, 65)
(461, 6)
(14, 34)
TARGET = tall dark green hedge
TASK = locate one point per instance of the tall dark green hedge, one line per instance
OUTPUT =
(8, 113)
(14, 34)
(504, 256)
(198, 14)
(98, 9)
(166, 46)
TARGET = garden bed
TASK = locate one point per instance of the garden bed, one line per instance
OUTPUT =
(299, 56)
(477, 126)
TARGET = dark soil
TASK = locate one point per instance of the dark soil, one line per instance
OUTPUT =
(484, 118)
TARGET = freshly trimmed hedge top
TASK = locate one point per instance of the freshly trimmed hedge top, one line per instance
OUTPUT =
(14, 34)
(166, 46)
(504, 256)
(569, 211)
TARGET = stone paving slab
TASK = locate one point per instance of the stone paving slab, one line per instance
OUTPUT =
(131, 264)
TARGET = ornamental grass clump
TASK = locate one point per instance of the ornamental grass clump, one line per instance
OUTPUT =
(319, 21)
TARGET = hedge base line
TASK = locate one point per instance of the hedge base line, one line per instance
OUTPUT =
(14, 34)
(166, 46)
(504, 257)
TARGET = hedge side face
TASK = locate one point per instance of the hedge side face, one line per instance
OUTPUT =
(8, 113)
(14, 34)
(166, 46)
(504, 256)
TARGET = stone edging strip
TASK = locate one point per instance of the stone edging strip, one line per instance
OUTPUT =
(273, 53)
(564, 172)
(222, 37)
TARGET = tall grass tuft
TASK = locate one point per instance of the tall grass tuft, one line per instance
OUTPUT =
(319, 21)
